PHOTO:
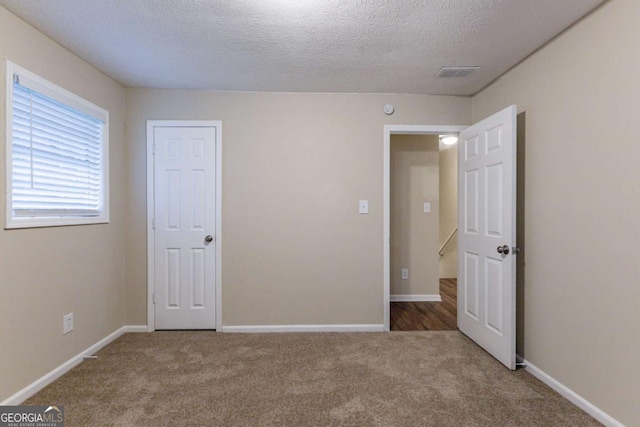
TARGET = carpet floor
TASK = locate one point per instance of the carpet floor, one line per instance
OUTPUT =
(303, 379)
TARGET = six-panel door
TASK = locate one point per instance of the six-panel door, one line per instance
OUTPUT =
(184, 163)
(486, 232)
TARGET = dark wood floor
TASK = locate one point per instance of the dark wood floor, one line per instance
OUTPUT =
(428, 316)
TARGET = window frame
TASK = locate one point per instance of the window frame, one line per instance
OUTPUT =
(69, 99)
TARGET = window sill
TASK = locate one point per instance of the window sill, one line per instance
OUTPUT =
(17, 223)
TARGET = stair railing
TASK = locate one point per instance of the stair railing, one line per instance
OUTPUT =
(446, 242)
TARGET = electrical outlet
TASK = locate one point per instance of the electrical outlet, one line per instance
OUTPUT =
(67, 323)
(405, 273)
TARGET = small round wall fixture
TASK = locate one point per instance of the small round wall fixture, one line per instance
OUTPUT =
(388, 109)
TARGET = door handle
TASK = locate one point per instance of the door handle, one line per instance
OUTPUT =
(503, 250)
(208, 239)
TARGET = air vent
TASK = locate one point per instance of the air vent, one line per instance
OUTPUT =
(448, 72)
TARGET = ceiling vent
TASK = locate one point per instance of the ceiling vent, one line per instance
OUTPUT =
(448, 72)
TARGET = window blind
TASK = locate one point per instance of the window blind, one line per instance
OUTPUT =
(56, 158)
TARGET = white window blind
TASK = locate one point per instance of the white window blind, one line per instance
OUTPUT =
(57, 155)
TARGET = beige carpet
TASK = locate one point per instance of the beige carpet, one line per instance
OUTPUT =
(321, 379)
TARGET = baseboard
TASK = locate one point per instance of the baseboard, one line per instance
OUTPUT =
(47, 379)
(134, 329)
(303, 328)
(416, 298)
(572, 396)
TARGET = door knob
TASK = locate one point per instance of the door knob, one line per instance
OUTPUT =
(503, 249)
(208, 239)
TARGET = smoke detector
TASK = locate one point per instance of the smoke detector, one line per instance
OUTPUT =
(448, 72)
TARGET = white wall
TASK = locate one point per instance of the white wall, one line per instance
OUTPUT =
(580, 95)
(295, 249)
(46, 273)
(414, 234)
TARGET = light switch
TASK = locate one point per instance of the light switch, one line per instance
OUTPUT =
(427, 207)
(363, 206)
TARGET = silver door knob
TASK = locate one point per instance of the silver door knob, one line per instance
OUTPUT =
(208, 239)
(503, 249)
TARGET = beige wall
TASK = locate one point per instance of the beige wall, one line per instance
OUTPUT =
(581, 97)
(295, 249)
(449, 211)
(46, 273)
(414, 233)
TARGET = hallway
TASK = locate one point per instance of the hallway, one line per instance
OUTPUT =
(428, 316)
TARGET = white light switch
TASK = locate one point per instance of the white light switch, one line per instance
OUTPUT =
(405, 273)
(427, 207)
(363, 206)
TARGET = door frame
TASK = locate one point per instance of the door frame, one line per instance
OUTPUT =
(151, 125)
(386, 232)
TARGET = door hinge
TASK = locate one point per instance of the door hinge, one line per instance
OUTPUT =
(153, 298)
(153, 148)
(153, 223)
(16, 79)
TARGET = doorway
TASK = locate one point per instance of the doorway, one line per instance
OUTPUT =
(423, 219)
(487, 230)
(390, 130)
(183, 224)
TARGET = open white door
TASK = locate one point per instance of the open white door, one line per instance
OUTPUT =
(487, 233)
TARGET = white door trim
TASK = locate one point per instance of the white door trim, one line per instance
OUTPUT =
(386, 233)
(151, 124)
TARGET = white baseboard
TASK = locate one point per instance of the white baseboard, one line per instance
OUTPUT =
(572, 396)
(134, 329)
(47, 379)
(416, 298)
(303, 328)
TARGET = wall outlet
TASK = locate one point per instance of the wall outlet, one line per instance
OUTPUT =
(405, 273)
(67, 323)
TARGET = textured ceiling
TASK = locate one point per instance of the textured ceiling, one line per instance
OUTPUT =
(376, 46)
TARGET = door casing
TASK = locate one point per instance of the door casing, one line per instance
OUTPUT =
(151, 125)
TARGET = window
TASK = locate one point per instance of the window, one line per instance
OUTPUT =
(56, 153)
